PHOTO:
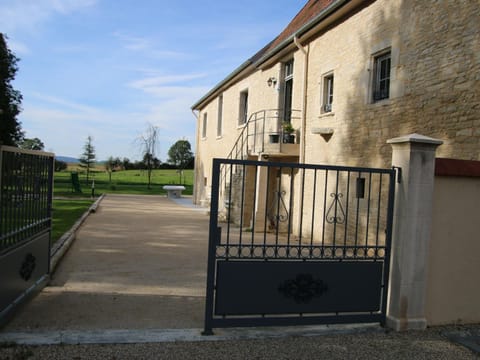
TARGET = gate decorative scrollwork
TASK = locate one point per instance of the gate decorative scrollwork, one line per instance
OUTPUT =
(278, 209)
(303, 288)
(336, 207)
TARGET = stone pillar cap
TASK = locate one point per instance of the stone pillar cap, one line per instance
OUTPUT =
(415, 138)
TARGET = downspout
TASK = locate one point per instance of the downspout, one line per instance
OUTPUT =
(304, 97)
(306, 53)
(195, 172)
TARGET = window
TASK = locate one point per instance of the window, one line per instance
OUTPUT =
(220, 115)
(243, 113)
(204, 126)
(327, 93)
(381, 77)
(287, 90)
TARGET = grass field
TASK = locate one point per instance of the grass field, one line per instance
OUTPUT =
(65, 213)
(122, 182)
(69, 206)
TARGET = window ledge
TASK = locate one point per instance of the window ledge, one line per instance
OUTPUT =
(326, 115)
(322, 130)
(381, 102)
(219, 137)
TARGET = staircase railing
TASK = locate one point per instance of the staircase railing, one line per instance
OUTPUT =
(253, 136)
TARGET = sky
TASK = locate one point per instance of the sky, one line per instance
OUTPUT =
(109, 68)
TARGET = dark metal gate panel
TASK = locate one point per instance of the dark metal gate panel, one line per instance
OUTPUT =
(297, 244)
(25, 224)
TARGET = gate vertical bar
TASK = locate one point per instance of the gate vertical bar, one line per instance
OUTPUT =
(212, 242)
(2, 201)
(51, 166)
(388, 245)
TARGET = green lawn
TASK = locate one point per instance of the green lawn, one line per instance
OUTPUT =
(65, 213)
(123, 182)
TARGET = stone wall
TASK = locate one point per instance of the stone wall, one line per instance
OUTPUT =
(435, 49)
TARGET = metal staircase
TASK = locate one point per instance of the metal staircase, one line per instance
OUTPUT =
(261, 135)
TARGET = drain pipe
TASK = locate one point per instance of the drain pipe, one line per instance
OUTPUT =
(197, 144)
(304, 97)
(306, 53)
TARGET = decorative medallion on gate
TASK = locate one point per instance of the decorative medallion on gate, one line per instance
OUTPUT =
(28, 266)
(303, 288)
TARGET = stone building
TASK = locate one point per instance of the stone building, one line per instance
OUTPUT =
(343, 85)
(348, 75)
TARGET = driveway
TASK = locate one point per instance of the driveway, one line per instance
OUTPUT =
(139, 262)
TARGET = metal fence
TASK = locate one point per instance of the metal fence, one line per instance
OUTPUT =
(298, 244)
(25, 221)
(25, 193)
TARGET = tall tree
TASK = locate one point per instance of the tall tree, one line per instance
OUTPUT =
(111, 165)
(148, 142)
(10, 99)
(31, 144)
(87, 160)
(180, 154)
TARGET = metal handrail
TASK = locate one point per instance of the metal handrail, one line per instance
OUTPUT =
(254, 134)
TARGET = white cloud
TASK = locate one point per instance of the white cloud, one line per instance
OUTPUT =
(133, 43)
(29, 14)
(18, 47)
(156, 81)
(147, 47)
(114, 130)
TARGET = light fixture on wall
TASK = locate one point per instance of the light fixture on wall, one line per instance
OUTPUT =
(271, 81)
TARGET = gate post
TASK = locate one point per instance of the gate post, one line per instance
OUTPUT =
(414, 154)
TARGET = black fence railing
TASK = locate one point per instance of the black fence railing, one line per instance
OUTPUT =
(281, 230)
(25, 194)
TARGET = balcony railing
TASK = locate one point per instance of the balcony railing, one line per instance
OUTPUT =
(262, 128)
(263, 133)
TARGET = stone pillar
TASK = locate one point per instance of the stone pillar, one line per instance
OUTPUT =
(415, 155)
(260, 200)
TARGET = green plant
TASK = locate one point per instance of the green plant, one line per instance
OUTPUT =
(287, 128)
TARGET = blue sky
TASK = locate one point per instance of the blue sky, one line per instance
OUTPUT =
(108, 68)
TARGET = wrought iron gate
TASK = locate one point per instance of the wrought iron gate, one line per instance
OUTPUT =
(25, 223)
(322, 256)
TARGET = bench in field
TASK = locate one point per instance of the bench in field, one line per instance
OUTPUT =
(174, 191)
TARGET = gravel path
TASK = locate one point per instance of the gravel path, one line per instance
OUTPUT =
(430, 344)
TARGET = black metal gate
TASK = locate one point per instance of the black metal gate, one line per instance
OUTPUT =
(297, 244)
(25, 224)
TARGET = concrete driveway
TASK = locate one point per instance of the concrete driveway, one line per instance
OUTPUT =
(139, 262)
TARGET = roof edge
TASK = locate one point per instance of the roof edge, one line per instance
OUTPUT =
(330, 9)
(232, 75)
(302, 30)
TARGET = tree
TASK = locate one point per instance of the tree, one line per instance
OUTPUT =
(60, 165)
(148, 143)
(180, 154)
(10, 99)
(111, 165)
(32, 144)
(87, 160)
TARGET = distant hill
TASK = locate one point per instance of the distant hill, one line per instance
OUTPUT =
(68, 159)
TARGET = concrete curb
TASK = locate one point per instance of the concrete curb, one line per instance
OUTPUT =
(64, 243)
(136, 336)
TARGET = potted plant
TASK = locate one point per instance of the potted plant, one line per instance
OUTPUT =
(288, 133)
